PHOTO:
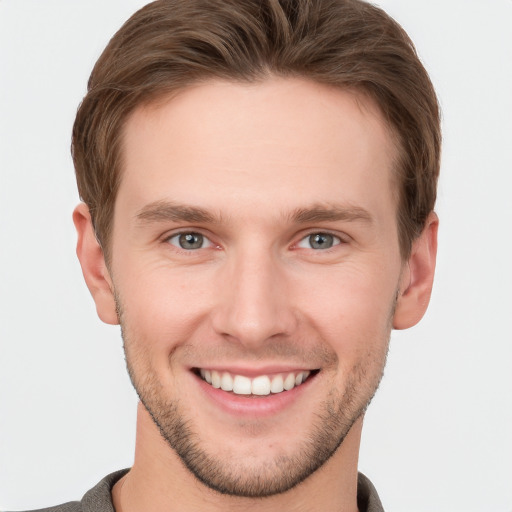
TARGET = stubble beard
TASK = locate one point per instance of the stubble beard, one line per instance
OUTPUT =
(334, 419)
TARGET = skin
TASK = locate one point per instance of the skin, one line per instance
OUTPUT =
(268, 165)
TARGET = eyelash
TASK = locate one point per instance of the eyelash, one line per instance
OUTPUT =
(337, 240)
(177, 236)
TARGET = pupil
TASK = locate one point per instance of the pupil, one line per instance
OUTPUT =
(191, 241)
(321, 241)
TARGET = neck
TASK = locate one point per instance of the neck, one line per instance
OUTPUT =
(158, 481)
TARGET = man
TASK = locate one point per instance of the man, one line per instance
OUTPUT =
(258, 180)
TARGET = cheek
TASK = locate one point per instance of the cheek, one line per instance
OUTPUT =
(352, 310)
(161, 307)
(153, 288)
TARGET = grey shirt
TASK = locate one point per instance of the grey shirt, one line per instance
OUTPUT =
(99, 498)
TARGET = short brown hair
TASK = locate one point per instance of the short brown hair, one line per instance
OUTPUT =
(170, 44)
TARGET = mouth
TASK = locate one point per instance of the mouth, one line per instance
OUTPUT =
(260, 385)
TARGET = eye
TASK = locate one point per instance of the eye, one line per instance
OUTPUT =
(319, 241)
(189, 241)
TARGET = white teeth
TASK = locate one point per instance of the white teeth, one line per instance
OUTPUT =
(215, 379)
(226, 382)
(277, 384)
(241, 385)
(261, 385)
(289, 382)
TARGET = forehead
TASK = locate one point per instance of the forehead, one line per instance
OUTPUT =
(263, 144)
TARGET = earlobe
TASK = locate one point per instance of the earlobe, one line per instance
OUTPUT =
(417, 278)
(93, 264)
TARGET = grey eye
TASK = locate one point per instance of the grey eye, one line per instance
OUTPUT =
(189, 241)
(319, 241)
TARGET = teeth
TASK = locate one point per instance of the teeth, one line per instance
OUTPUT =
(289, 382)
(276, 385)
(260, 386)
(215, 379)
(241, 385)
(226, 382)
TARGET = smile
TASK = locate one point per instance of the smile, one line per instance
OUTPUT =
(261, 385)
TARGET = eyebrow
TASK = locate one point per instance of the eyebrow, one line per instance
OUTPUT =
(162, 211)
(331, 213)
(165, 211)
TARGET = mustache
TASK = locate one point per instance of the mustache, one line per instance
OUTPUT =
(275, 351)
(305, 352)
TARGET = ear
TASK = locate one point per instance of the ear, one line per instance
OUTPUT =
(93, 264)
(417, 278)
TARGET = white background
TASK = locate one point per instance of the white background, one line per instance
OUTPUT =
(438, 436)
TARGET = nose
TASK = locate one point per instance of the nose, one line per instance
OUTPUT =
(253, 303)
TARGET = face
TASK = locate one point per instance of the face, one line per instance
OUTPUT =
(255, 263)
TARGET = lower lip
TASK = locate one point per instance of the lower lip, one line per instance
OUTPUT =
(257, 406)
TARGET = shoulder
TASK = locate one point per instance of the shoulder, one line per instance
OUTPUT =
(367, 498)
(98, 499)
(72, 506)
